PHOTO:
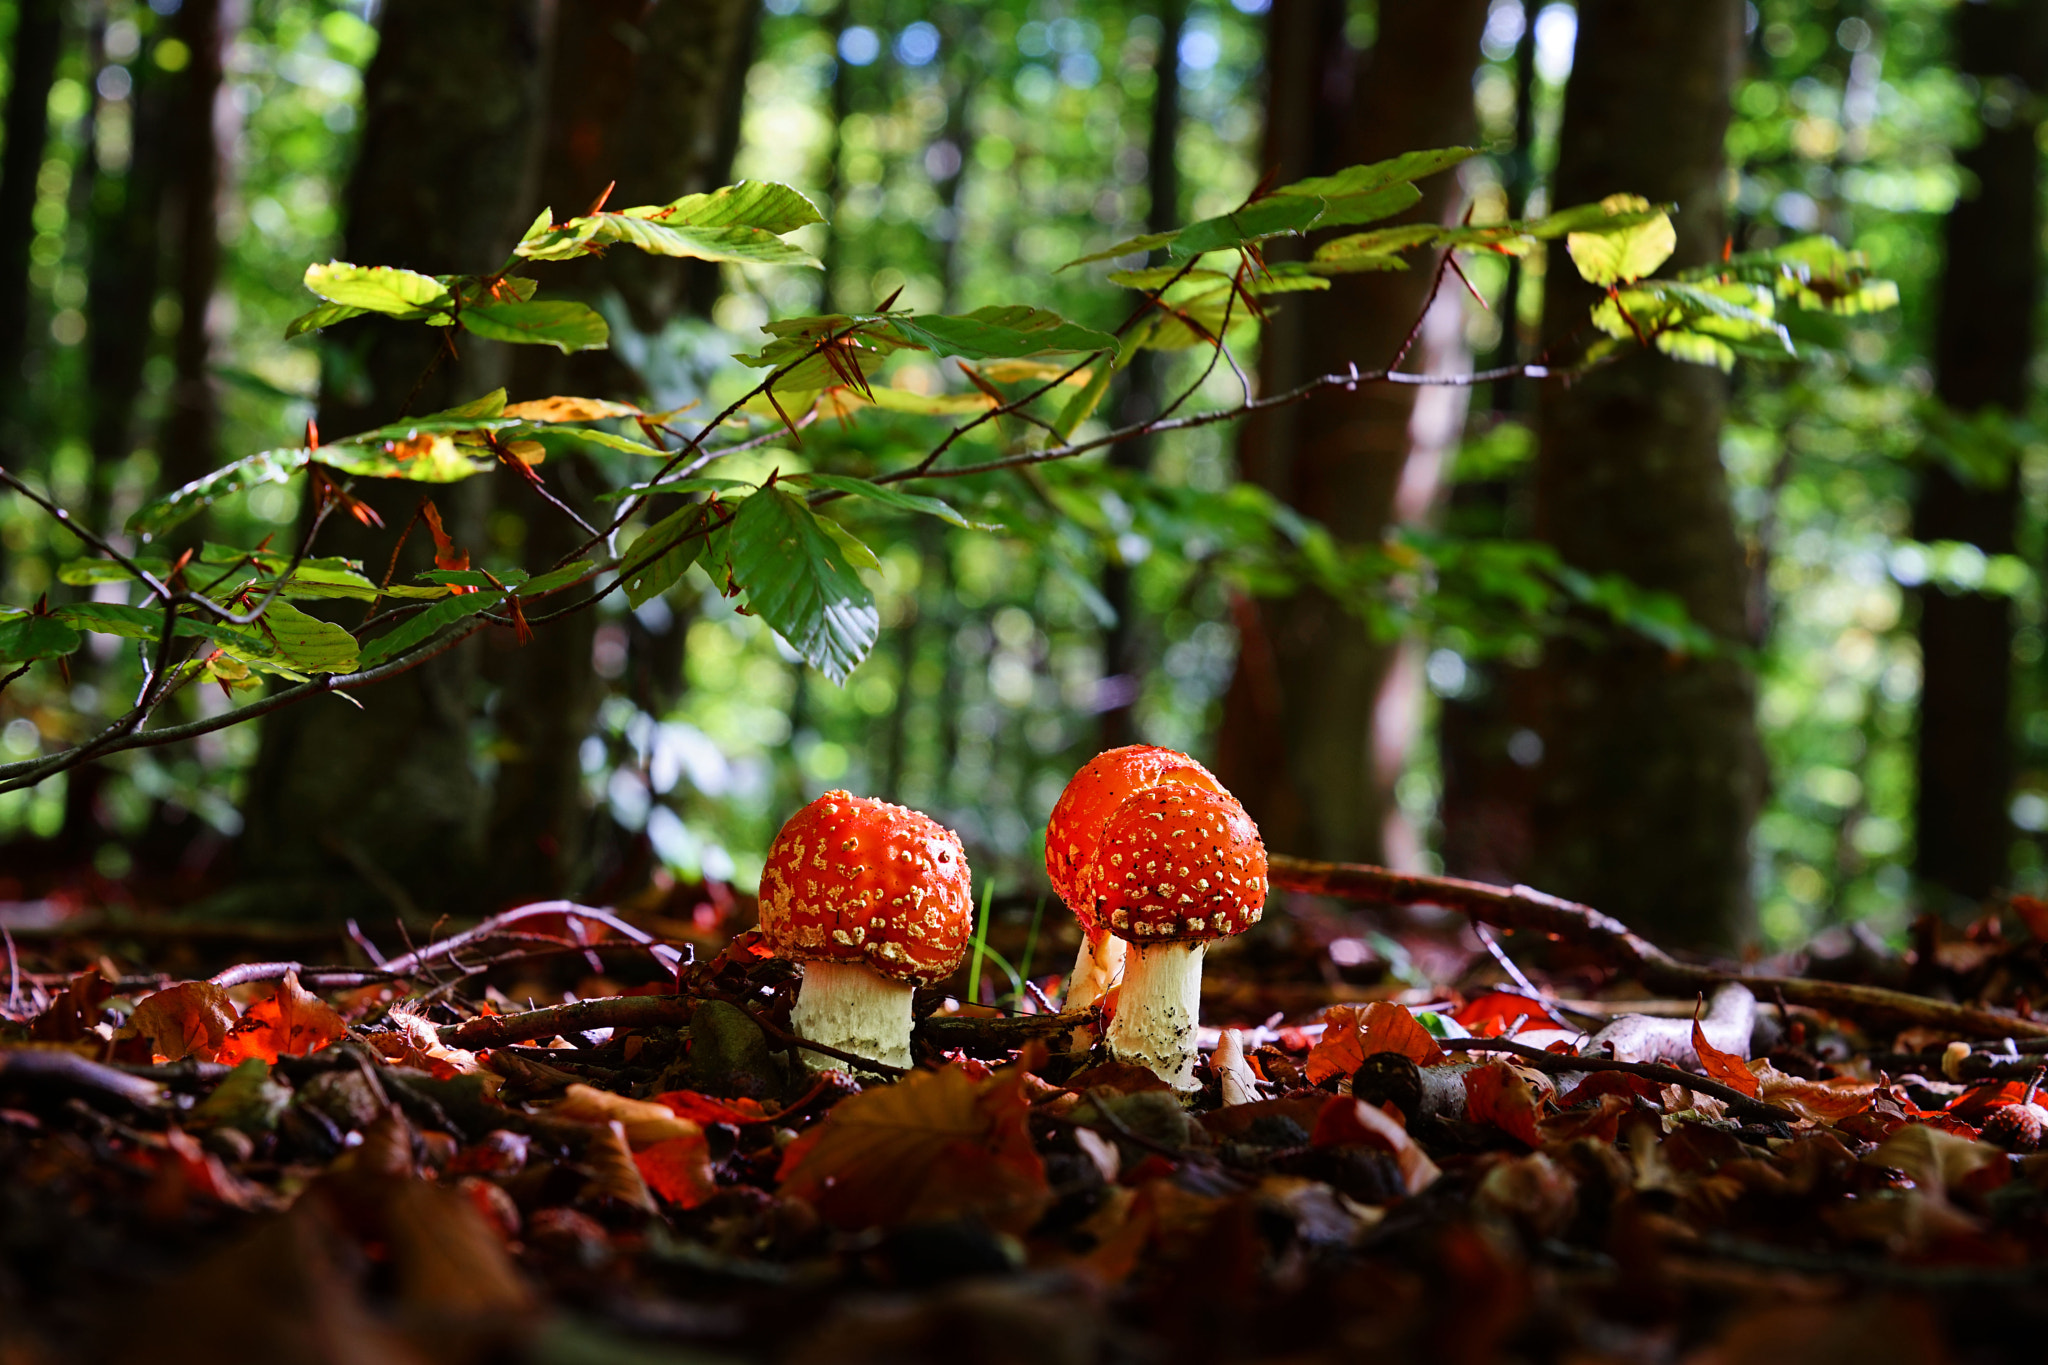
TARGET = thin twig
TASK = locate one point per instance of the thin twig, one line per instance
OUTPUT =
(1556, 1062)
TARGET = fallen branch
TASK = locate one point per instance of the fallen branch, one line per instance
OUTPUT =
(56, 1069)
(1003, 1034)
(1556, 1063)
(1524, 908)
(610, 1011)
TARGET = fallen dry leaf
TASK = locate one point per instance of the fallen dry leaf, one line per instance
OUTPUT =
(933, 1146)
(1345, 1120)
(1725, 1067)
(1506, 1096)
(1352, 1034)
(291, 1023)
(190, 1019)
(679, 1170)
(645, 1122)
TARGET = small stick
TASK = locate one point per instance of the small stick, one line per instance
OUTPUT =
(1556, 1062)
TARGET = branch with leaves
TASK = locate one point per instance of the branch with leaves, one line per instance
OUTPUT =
(1033, 382)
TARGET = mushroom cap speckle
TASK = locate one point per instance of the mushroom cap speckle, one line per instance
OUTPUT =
(851, 879)
(1178, 864)
(1074, 832)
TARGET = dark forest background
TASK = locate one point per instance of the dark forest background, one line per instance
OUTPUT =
(1862, 531)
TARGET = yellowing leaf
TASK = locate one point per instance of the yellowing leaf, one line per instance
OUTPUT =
(560, 409)
(1620, 255)
(645, 1122)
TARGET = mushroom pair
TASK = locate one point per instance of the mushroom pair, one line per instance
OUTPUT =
(1156, 860)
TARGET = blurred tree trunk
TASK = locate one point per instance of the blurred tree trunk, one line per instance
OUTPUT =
(380, 807)
(1123, 662)
(203, 135)
(32, 66)
(647, 94)
(1313, 730)
(1983, 348)
(1651, 770)
(1484, 809)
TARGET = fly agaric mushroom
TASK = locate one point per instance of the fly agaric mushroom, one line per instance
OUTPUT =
(1177, 866)
(1073, 834)
(875, 900)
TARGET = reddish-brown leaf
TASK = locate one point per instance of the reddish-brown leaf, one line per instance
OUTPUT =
(190, 1019)
(679, 1170)
(1725, 1067)
(1493, 1014)
(1507, 1097)
(292, 1023)
(2033, 913)
(1344, 1120)
(1352, 1034)
(931, 1147)
(688, 1104)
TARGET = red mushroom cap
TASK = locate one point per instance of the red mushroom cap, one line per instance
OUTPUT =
(850, 879)
(1075, 830)
(1179, 864)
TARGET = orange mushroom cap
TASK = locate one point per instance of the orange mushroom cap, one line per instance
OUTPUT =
(1178, 864)
(851, 879)
(1074, 832)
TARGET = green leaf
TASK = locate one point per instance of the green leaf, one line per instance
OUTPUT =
(555, 579)
(432, 457)
(799, 580)
(1129, 247)
(1619, 256)
(1001, 331)
(181, 504)
(82, 572)
(590, 436)
(1277, 216)
(36, 637)
(1361, 180)
(326, 315)
(418, 629)
(856, 550)
(751, 203)
(485, 408)
(147, 623)
(305, 642)
(379, 289)
(476, 578)
(890, 495)
(659, 556)
(561, 323)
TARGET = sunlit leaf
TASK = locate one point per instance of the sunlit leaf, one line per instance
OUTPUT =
(1611, 255)
(379, 289)
(420, 628)
(563, 324)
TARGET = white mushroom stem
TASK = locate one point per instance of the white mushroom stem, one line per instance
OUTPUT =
(1096, 968)
(1158, 1010)
(846, 1006)
(1240, 1082)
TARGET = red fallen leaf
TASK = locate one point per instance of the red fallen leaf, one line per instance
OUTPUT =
(2033, 913)
(679, 1170)
(1977, 1104)
(931, 1147)
(1611, 1083)
(190, 1019)
(1822, 1101)
(1725, 1067)
(1492, 1014)
(688, 1104)
(1506, 1097)
(1353, 1034)
(292, 1023)
(74, 1011)
(1602, 1120)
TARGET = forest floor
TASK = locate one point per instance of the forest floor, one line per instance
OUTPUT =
(570, 1135)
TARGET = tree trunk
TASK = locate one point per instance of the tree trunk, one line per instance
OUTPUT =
(1144, 394)
(38, 39)
(1651, 770)
(1984, 344)
(204, 135)
(648, 95)
(354, 810)
(1299, 744)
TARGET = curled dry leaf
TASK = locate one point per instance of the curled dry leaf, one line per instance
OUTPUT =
(1725, 1067)
(644, 1122)
(190, 1019)
(292, 1023)
(1820, 1101)
(1353, 1034)
(933, 1146)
